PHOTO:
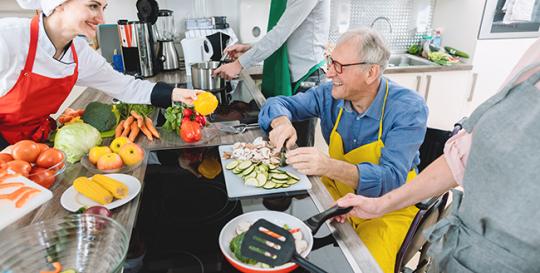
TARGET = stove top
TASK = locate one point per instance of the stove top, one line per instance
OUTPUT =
(182, 213)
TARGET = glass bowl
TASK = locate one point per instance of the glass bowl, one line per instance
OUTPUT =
(93, 169)
(48, 177)
(82, 242)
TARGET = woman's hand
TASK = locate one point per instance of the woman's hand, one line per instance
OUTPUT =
(236, 50)
(228, 71)
(186, 96)
(363, 207)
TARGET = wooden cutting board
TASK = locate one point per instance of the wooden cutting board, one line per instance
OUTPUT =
(237, 189)
(9, 213)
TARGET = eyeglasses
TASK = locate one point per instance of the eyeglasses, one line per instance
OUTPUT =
(339, 66)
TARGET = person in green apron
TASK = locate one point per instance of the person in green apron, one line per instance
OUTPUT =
(374, 129)
(292, 51)
(493, 225)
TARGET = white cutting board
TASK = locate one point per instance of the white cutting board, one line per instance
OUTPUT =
(237, 189)
(9, 213)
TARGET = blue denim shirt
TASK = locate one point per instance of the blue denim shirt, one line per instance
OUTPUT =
(404, 128)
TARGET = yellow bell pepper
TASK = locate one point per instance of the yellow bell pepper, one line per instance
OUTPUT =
(206, 103)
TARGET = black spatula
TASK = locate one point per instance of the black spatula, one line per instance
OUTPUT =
(273, 245)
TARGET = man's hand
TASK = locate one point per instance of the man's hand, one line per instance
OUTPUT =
(236, 50)
(309, 161)
(363, 207)
(228, 71)
(283, 133)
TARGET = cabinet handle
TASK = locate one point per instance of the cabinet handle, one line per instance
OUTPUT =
(418, 82)
(473, 86)
(428, 84)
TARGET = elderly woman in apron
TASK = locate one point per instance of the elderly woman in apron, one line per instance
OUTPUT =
(494, 224)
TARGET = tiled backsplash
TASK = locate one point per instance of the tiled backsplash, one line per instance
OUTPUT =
(409, 19)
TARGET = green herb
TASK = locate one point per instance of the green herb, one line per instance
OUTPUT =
(173, 117)
(235, 245)
(141, 109)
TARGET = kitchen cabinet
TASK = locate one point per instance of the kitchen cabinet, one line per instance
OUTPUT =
(446, 94)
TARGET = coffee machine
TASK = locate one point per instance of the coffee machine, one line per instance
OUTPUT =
(167, 57)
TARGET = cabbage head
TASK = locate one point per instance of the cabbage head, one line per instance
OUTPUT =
(76, 139)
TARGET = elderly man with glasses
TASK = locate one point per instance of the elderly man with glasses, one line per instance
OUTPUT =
(373, 127)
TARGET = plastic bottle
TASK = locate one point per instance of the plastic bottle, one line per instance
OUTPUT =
(436, 40)
(118, 63)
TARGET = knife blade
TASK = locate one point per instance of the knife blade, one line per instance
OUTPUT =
(282, 158)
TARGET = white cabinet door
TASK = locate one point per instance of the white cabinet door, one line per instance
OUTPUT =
(446, 96)
(410, 80)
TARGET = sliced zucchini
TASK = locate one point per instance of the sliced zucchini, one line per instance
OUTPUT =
(251, 175)
(232, 165)
(277, 181)
(269, 185)
(280, 176)
(248, 170)
(293, 176)
(292, 181)
(276, 171)
(244, 165)
(237, 170)
(272, 166)
(261, 179)
(252, 182)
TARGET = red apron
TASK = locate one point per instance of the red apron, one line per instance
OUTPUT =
(25, 109)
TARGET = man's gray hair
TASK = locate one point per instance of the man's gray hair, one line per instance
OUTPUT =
(371, 46)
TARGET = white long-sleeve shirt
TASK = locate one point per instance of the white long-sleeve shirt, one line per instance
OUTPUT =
(304, 26)
(94, 71)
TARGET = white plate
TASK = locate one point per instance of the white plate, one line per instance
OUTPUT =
(237, 189)
(9, 213)
(73, 200)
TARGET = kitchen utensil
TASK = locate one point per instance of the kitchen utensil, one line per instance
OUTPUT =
(82, 242)
(237, 189)
(308, 228)
(9, 213)
(201, 76)
(282, 157)
(237, 129)
(72, 200)
(196, 50)
(273, 250)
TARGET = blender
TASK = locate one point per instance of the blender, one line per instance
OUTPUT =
(167, 57)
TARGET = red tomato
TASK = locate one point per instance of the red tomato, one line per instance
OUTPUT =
(20, 167)
(43, 147)
(26, 150)
(5, 157)
(187, 112)
(49, 158)
(190, 131)
(42, 177)
(200, 119)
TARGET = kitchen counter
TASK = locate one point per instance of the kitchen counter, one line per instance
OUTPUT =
(352, 247)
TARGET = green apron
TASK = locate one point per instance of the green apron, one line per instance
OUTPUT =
(276, 74)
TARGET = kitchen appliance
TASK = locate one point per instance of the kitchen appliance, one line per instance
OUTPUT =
(196, 50)
(214, 22)
(253, 20)
(137, 48)
(167, 57)
(201, 76)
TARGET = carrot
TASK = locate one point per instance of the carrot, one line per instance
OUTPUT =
(147, 133)
(134, 131)
(14, 195)
(57, 268)
(128, 122)
(10, 185)
(25, 197)
(139, 118)
(150, 127)
(294, 230)
(125, 132)
(119, 129)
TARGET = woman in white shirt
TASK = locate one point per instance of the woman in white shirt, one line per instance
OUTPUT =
(41, 59)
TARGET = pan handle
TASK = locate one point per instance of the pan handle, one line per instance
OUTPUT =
(301, 261)
(316, 221)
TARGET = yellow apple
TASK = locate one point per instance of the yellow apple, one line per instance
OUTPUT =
(96, 152)
(110, 161)
(118, 142)
(131, 154)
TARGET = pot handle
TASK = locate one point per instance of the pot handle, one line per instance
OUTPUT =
(302, 262)
(207, 55)
(315, 222)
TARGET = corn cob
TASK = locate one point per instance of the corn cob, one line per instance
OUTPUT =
(92, 190)
(117, 188)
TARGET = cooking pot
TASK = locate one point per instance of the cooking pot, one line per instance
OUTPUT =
(201, 76)
(308, 229)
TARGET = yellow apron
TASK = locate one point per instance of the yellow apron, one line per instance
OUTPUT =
(382, 236)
